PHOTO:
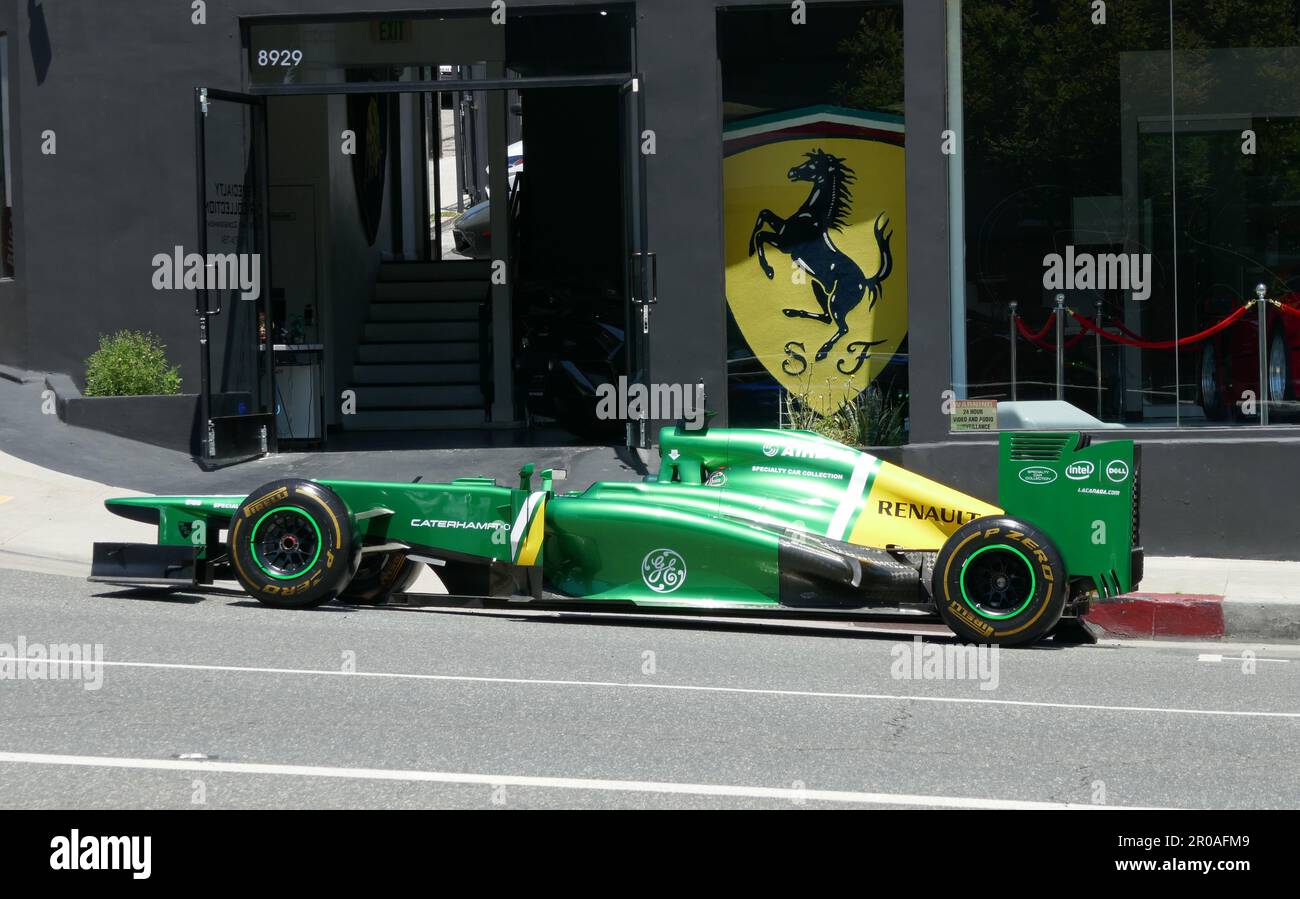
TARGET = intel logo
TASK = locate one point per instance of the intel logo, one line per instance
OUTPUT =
(1117, 471)
(1038, 474)
(1080, 471)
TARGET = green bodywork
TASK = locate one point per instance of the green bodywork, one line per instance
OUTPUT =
(1084, 497)
(719, 522)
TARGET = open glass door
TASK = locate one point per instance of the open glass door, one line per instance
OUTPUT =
(642, 272)
(233, 299)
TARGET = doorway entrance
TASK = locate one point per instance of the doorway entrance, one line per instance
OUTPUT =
(454, 231)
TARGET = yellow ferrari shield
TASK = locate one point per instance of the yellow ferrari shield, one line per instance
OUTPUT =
(816, 248)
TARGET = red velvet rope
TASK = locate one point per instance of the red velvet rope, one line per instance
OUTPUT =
(1129, 337)
(1124, 329)
(1092, 326)
(1037, 337)
(1288, 310)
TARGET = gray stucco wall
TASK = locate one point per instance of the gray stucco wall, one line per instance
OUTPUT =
(13, 294)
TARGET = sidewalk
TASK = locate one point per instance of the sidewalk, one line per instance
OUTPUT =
(48, 521)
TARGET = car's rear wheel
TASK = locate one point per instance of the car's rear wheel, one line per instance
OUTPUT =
(291, 544)
(1000, 580)
(380, 576)
(1279, 369)
(1211, 385)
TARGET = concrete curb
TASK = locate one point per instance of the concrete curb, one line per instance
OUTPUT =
(1196, 617)
(18, 375)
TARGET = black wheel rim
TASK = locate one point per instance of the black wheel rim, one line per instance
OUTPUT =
(286, 543)
(998, 582)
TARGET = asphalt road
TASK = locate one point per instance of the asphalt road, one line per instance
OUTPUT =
(520, 710)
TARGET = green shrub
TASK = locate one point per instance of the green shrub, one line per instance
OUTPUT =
(874, 417)
(131, 363)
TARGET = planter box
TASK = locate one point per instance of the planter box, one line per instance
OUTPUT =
(171, 422)
(166, 421)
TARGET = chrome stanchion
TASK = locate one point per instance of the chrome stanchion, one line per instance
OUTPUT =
(1262, 307)
(1097, 334)
(1014, 336)
(1060, 346)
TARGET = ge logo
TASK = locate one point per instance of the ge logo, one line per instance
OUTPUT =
(663, 570)
(770, 449)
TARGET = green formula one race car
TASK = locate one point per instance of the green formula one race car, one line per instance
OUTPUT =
(746, 520)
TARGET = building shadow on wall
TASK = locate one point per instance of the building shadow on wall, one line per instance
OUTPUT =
(38, 36)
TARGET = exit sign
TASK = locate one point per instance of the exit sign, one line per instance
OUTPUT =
(391, 31)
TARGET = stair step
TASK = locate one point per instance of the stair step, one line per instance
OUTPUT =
(415, 373)
(414, 420)
(445, 310)
(425, 291)
(461, 270)
(445, 396)
(459, 351)
(380, 332)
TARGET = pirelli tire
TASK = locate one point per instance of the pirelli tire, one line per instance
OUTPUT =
(999, 580)
(292, 544)
(379, 576)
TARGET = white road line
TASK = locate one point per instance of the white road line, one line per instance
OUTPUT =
(560, 783)
(1218, 657)
(630, 685)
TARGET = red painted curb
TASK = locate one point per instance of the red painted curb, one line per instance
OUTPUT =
(1150, 615)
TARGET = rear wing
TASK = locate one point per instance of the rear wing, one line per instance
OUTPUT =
(1086, 496)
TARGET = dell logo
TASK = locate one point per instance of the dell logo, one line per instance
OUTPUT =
(1117, 471)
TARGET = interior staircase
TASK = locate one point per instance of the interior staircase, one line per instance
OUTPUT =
(419, 364)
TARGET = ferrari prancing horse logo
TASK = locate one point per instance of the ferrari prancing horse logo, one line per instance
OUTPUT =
(838, 283)
(816, 249)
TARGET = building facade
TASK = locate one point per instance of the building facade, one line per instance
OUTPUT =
(796, 206)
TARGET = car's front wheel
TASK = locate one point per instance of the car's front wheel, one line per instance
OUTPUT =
(1000, 580)
(291, 544)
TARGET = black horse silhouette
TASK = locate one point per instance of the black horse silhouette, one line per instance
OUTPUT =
(838, 284)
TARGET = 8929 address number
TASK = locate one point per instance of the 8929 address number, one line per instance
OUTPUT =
(286, 58)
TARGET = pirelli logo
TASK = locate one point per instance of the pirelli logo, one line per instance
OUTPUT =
(293, 589)
(973, 620)
(271, 498)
